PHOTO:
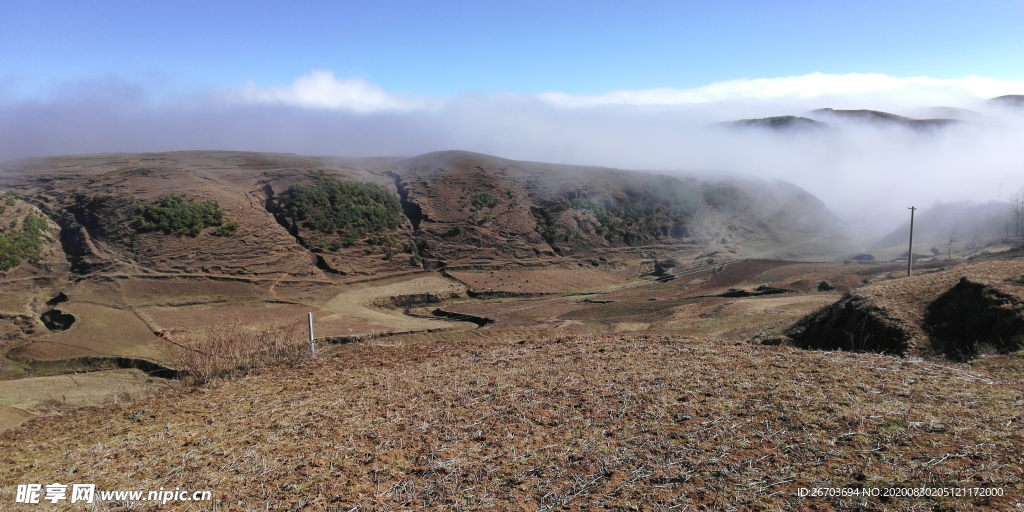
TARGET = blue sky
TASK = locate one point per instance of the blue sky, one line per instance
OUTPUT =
(447, 48)
(636, 85)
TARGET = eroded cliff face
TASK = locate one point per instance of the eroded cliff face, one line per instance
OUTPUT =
(32, 270)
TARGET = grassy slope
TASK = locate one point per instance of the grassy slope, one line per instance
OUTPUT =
(610, 209)
(510, 423)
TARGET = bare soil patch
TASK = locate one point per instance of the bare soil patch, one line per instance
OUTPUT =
(952, 311)
(736, 273)
(57, 320)
(855, 324)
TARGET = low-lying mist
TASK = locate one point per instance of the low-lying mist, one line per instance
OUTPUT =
(867, 172)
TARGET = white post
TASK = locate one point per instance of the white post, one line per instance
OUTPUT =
(312, 340)
(910, 251)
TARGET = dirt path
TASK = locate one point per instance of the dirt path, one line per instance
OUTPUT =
(353, 303)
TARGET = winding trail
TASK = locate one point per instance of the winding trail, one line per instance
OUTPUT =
(355, 303)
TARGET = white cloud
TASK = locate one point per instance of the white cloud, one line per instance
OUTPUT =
(914, 91)
(322, 90)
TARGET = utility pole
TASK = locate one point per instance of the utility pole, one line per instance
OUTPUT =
(312, 341)
(910, 251)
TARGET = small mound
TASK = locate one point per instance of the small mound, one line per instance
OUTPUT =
(412, 300)
(855, 324)
(56, 320)
(759, 291)
(58, 299)
(973, 315)
(478, 320)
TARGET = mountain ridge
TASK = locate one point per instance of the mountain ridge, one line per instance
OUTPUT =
(463, 205)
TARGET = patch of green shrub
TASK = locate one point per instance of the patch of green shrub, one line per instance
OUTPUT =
(351, 209)
(227, 229)
(483, 200)
(174, 214)
(725, 198)
(20, 244)
(632, 214)
(385, 241)
(9, 200)
(418, 248)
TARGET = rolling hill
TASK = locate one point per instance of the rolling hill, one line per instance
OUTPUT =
(779, 123)
(455, 205)
(138, 250)
(1010, 100)
(492, 334)
(879, 118)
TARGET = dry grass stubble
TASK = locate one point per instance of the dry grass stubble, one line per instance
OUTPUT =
(231, 350)
(574, 422)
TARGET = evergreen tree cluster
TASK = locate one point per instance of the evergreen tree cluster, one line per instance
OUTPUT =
(639, 213)
(8, 200)
(18, 244)
(177, 215)
(350, 209)
(483, 200)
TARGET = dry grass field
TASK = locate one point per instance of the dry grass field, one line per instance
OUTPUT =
(541, 423)
(609, 401)
(550, 280)
(98, 331)
(68, 392)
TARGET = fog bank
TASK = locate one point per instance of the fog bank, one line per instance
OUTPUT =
(859, 169)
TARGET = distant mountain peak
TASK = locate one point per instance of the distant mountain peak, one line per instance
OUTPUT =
(1012, 100)
(885, 118)
(779, 123)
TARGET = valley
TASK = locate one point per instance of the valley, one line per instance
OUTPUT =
(546, 336)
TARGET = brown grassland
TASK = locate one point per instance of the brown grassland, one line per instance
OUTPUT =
(550, 410)
(570, 422)
(522, 351)
(682, 416)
